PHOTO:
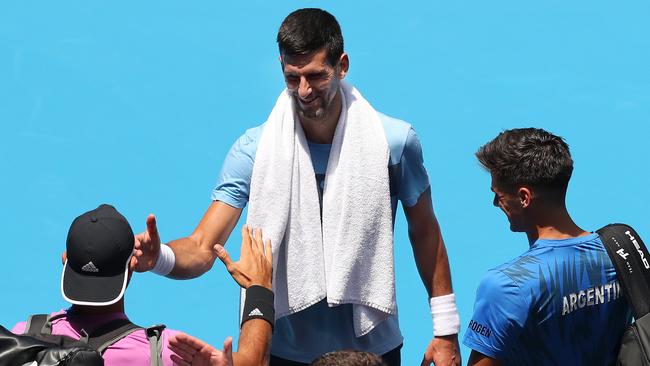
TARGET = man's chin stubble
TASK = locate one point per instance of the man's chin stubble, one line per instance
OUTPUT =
(317, 115)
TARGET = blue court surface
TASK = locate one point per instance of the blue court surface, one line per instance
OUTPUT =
(136, 104)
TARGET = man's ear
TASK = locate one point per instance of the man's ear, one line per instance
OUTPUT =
(344, 65)
(525, 196)
(64, 257)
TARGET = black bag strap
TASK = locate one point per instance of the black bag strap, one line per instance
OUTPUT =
(104, 336)
(35, 323)
(41, 323)
(109, 333)
(632, 262)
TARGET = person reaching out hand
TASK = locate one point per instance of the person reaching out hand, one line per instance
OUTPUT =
(254, 272)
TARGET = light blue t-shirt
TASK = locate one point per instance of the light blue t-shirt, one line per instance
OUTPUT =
(305, 335)
(559, 303)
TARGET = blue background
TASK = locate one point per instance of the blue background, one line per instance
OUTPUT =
(137, 103)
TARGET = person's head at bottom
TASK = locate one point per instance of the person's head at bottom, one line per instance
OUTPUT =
(348, 358)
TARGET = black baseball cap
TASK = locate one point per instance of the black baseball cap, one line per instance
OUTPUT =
(99, 248)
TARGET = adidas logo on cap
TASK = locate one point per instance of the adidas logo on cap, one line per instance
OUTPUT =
(89, 267)
(255, 312)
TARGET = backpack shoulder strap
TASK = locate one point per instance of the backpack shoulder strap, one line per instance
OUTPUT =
(632, 262)
(35, 323)
(154, 335)
(109, 333)
(41, 323)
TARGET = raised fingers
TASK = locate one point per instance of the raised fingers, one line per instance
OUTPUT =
(182, 354)
(259, 244)
(268, 251)
(182, 350)
(179, 361)
(227, 348)
(223, 255)
(152, 229)
(247, 238)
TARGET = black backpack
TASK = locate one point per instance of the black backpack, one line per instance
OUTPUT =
(632, 262)
(18, 350)
(38, 344)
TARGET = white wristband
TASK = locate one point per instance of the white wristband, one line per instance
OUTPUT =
(446, 320)
(165, 262)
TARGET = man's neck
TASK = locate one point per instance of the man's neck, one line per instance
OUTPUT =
(554, 224)
(118, 307)
(321, 131)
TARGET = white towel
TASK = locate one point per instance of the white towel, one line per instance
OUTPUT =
(349, 259)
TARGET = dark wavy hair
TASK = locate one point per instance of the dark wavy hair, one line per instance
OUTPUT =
(308, 30)
(528, 156)
(348, 358)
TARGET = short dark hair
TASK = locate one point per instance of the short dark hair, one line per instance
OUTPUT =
(348, 358)
(308, 30)
(528, 156)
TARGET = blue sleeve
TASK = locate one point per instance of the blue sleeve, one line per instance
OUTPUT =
(233, 183)
(500, 313)
(414, 180)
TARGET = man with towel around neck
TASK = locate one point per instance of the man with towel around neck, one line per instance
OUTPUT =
(322, 177)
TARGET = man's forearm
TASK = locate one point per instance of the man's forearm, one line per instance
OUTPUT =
(254, 343)
(195, 254)
(192, 259)
(441, 280)
(428, 249)
(433, 266)
(437, 279)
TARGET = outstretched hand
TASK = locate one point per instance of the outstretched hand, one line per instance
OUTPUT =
(442, 351)
(147, 246)
(191, 351)
(255, 265)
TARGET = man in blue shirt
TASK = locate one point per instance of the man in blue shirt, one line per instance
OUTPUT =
(559, 303)
(314, 65)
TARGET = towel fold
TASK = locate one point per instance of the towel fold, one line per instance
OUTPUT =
(347, 257)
